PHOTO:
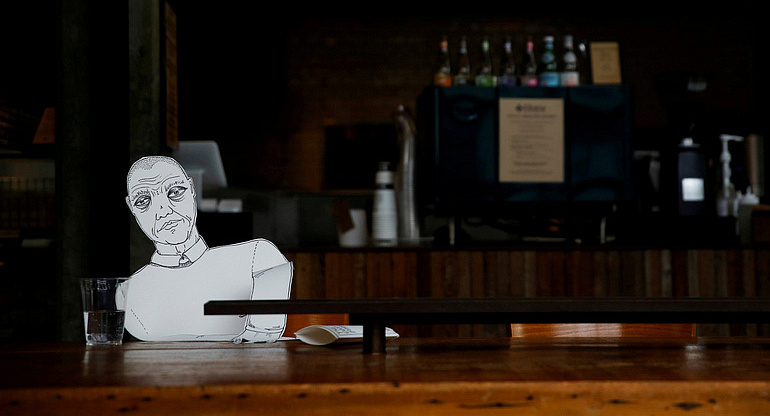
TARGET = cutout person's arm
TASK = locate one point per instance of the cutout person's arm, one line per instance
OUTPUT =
(273, 282)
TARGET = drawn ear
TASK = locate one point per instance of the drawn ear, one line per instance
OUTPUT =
(192, 185)
(128, 203)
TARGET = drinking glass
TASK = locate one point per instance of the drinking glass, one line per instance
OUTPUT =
(104, 309)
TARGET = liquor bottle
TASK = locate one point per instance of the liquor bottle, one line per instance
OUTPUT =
(549, 77)
(584, 62)
(463, 75)
(443, 75)
(507, 66)
(569, 71)
(529, 66)
(486, 77)
(384, 211)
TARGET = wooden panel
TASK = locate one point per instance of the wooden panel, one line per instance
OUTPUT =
(543, 270)
(601, 274)
(653, 282)
(309, 276)
(335, 278)
(405, 274)
(379, 274)
(613, 273)
(679, 269)
(666, 285)
(532, 272)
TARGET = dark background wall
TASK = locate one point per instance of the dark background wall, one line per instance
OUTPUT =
(266, 93)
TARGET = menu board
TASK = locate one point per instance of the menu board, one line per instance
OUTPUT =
(531, 144)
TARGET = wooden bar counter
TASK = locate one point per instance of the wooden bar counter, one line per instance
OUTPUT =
(417, 376)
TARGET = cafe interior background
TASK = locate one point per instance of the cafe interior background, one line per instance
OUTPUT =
(302, 110)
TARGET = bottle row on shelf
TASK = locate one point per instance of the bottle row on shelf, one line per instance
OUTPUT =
(569, 69)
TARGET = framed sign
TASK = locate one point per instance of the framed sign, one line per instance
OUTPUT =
(605, 63)
(531, 144)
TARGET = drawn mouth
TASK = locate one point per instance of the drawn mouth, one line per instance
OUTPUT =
(169, 225)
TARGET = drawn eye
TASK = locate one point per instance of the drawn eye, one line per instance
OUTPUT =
(176, 193)
(142, 202)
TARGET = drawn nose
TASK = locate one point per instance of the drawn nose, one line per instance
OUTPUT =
(163, 210)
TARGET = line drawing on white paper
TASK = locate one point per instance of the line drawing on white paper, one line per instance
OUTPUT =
(165, 298)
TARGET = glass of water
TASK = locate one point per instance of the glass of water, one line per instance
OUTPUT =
(104, 309)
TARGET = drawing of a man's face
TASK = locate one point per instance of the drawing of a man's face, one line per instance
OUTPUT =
(162, 199)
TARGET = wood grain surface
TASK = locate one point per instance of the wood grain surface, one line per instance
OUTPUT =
(536, 271)
(606, 376)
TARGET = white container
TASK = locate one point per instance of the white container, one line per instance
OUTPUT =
(745, 209)
(384, 212)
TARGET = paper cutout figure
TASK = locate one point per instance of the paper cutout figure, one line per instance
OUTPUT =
(165, 298)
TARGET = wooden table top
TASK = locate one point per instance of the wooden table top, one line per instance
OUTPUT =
(416, 376)
(376, 313)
